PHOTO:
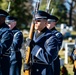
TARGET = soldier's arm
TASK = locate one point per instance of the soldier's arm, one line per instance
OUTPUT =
(48, 54)
(73, 55)
(6, 41)
(60, 39)
(17, 41)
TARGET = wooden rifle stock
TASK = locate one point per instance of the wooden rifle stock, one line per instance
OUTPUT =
(27, 58)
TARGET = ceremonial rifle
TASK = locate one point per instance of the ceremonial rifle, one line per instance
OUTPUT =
(27, 53)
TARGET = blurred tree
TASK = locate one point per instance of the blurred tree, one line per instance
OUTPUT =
(74, 20)
(71, 6)
(71, 13)
(59, 10)
(22, 9)
(19, 8)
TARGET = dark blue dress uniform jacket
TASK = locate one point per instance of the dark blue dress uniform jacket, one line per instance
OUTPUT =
(15, 57)
(60, 40)
(6, 38)
(73, 56)
(59, 37)
(43, 53)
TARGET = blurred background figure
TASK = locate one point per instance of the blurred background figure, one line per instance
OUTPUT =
(65, 30)
(15, 57)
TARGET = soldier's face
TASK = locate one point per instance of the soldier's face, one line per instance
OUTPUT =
(50, 25)
(12, 24)
(40, 24)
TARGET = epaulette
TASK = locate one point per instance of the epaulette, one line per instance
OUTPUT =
(58, 35)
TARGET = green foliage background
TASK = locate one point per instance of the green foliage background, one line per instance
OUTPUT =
(58, 7)
(20, 9)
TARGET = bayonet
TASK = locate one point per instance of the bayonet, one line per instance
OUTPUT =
(9, 5)
(48, 5)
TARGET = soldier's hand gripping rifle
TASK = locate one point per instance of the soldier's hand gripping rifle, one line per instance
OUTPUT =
(27, 53)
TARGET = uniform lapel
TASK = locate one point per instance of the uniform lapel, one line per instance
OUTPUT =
(38, 38)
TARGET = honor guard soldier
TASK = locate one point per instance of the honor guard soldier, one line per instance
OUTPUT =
(52, 21)
(6, 38)
(73, 55)
(15, 57)
(43, 46)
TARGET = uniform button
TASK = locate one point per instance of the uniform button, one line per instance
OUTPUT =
(37, 70)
